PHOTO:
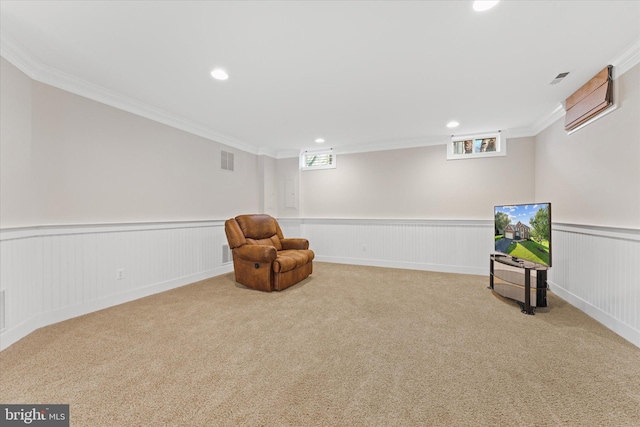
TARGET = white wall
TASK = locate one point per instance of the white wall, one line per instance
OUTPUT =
(71, 160)
(593, 175)
(451, 246)
(592, 179)
(288, 181)
(267, 167)
(53, 273)
(419, 183)
(68, 160)
(19, 197)
(157, 195)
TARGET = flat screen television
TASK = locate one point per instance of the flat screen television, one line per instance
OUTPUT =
(523, 232)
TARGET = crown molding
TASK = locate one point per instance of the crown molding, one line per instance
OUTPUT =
(19, 58)
(622, 63)
(626, 60)
(287, 154)
(378, 146)
(36, 70)
(424, 141)
(546, 121)
(264, 151)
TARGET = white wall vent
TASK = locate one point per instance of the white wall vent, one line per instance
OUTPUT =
(3, 309)
(226, 161)
(227, 257)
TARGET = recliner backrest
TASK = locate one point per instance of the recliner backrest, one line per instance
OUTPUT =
(257, 229)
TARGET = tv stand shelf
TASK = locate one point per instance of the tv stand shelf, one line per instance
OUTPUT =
(522, 281)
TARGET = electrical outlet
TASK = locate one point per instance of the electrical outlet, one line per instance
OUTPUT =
(120, 274)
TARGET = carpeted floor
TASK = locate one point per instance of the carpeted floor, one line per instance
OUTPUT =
(349, 346)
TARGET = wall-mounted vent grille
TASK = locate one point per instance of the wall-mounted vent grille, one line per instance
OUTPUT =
(559, 78)
(227, 257)
(3, 310)
(226, 161)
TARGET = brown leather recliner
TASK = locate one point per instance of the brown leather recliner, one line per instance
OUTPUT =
(262, 258)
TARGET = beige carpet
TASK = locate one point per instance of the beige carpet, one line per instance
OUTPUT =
(349, 346)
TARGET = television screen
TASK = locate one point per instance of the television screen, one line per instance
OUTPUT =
(524, 232)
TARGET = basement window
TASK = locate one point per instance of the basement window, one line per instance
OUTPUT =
(312, 160)
(476, 146)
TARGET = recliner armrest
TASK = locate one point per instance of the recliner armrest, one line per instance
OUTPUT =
(256, 253)
(294, 243)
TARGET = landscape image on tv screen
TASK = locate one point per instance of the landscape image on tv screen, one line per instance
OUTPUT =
(524, 231)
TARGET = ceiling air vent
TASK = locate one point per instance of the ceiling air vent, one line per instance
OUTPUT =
(559, 78)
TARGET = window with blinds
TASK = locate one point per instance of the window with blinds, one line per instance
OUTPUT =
(588, 102)
(310, 160)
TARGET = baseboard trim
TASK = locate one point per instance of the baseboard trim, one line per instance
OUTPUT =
(458, 269)
(13, 335)
(625, 331)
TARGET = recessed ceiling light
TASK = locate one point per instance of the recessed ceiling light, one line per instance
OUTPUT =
(319, 140)
(219, 74)
(482, 5)
(453, 124)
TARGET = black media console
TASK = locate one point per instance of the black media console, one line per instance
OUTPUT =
(522, 281)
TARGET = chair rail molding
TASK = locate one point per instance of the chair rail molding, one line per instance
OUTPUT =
(420, 244)
(53, 273)
(596, 269)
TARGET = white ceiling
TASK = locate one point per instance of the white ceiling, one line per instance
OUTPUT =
(362, 75)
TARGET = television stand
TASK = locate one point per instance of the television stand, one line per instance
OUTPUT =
(522, 281)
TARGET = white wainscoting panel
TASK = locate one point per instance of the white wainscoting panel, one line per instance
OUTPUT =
(455, 246)
(597, 270)
(51, 274)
